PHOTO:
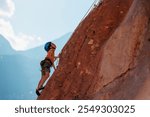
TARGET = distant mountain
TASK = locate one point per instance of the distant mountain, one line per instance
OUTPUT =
(20, 71)
(18, 77)
(5, 47)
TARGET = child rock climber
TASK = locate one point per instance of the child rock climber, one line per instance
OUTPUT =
(46, 64)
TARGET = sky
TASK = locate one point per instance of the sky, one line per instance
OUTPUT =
(30, 23)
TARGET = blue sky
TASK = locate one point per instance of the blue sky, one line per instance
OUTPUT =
(29, 23)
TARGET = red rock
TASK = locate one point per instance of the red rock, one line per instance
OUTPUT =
(115, 65)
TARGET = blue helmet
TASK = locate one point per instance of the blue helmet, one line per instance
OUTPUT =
(47, 46)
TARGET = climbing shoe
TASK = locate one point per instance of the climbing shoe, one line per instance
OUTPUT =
(37, 92)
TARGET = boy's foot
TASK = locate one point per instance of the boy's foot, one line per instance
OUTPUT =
(37, 92)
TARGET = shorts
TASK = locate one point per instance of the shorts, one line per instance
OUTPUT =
(45, 66)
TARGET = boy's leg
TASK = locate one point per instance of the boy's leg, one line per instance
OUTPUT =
(38, 93)
(43, 79)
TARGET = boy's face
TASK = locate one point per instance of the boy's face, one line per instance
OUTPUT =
(53, 46)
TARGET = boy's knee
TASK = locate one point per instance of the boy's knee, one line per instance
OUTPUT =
(47, 74)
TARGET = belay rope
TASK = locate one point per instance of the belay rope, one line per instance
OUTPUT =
(96, 2)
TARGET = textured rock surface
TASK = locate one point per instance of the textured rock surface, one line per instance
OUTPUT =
(108, 56)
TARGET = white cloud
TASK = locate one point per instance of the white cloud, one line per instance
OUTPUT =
(18, 41)
(8, 8)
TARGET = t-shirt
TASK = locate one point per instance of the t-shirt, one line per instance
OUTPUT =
(50, 55)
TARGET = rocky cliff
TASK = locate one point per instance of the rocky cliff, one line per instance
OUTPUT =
(108, 55)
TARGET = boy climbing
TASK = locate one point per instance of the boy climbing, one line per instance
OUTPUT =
(46, 64)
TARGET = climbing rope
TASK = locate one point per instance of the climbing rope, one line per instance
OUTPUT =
(95, 3)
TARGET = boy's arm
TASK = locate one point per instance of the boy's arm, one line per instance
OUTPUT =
(53, 65)
(49, 55)
(56, 57)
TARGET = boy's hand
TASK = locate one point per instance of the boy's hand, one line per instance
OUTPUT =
(57, 56)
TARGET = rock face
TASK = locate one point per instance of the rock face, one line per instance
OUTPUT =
(108, 55)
